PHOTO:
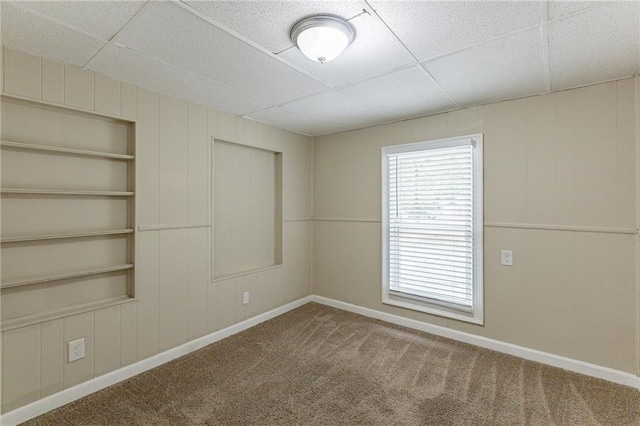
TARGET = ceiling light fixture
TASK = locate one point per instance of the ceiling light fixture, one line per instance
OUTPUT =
(322, 38)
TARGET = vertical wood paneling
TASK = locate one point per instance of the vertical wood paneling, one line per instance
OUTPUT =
(257, 209)
(107, 95)
(52, 82)
(227, 303)
(549, 256)
(595, 298)
(626, 311)
(595, 158)
(147, 269)
(76, 327)
(22, 74)
(227, 127)
(173, 288)
(564, 146)
(212, 307)
(147, 158)
(626, 151)
(267, 209)
(107, 340)
(223, 216)
(78, 87)
(198, 167)
(541, 160)
(240, 208)
(128, 101)
(21, 367)
(198, 282)
(128, 333)
(52, 360)
(242, 285)
(505, 156)
(173, 161)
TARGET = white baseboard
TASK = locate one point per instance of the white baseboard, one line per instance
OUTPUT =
(66, 396)
(570, 364)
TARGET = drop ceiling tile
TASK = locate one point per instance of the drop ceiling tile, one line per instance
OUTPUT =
(342, 111)
(102, 19)
(29, 33)
(123, 64)
(598, 45)
(171, 34)
(289, 119)
(268, 23)
(433, 28)
(506, 68)
(374, 51)
(402, 94)
(558, 9)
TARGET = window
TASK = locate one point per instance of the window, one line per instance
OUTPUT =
(432, 227)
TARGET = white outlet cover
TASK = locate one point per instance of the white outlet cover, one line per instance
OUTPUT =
(245, 298)
(76, 349)
(506, 258)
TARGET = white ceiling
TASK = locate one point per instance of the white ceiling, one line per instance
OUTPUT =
(409, 58)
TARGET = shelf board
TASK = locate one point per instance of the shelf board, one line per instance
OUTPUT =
(66, 192)
(63, 150)
(26, 238)
(78, 274)
(12, 323)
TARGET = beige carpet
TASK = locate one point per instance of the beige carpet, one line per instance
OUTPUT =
(321, 366)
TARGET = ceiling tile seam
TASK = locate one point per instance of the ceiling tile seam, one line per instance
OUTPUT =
(114, 40)
(247, 41)
(483, 42)
(303, 114)
(55, 21)
(544, 32)
(587, 9)
(395, 36)
(145, 56)
(428, 75)
(417, 61)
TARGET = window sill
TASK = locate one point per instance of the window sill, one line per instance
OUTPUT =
(473, 318)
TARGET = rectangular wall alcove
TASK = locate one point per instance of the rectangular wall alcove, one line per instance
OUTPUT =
(247, 197)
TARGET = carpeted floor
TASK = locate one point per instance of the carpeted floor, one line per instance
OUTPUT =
(322, 366)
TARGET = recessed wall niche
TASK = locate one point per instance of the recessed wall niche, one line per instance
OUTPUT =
(247, 197)
(67, 187)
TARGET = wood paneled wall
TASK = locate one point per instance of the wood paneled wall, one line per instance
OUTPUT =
(560, 188)
(176, 300)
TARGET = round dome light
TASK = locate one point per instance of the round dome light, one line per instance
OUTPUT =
(322, 38)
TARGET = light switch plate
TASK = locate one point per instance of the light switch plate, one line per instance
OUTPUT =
(507, 258)
(245, 298)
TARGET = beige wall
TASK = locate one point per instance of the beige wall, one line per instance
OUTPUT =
(175, 299)
(564, 162)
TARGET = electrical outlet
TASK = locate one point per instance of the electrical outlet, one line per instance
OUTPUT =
(245, 298)
(76, 350)
(507, 258)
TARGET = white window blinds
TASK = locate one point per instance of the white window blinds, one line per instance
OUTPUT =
(430, 223)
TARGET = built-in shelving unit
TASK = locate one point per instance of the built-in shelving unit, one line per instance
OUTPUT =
(85, 273)
(71, 151)
(26, 238)
(68, 231)
(65, 192)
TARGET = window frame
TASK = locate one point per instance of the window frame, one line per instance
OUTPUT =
(476, 315)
